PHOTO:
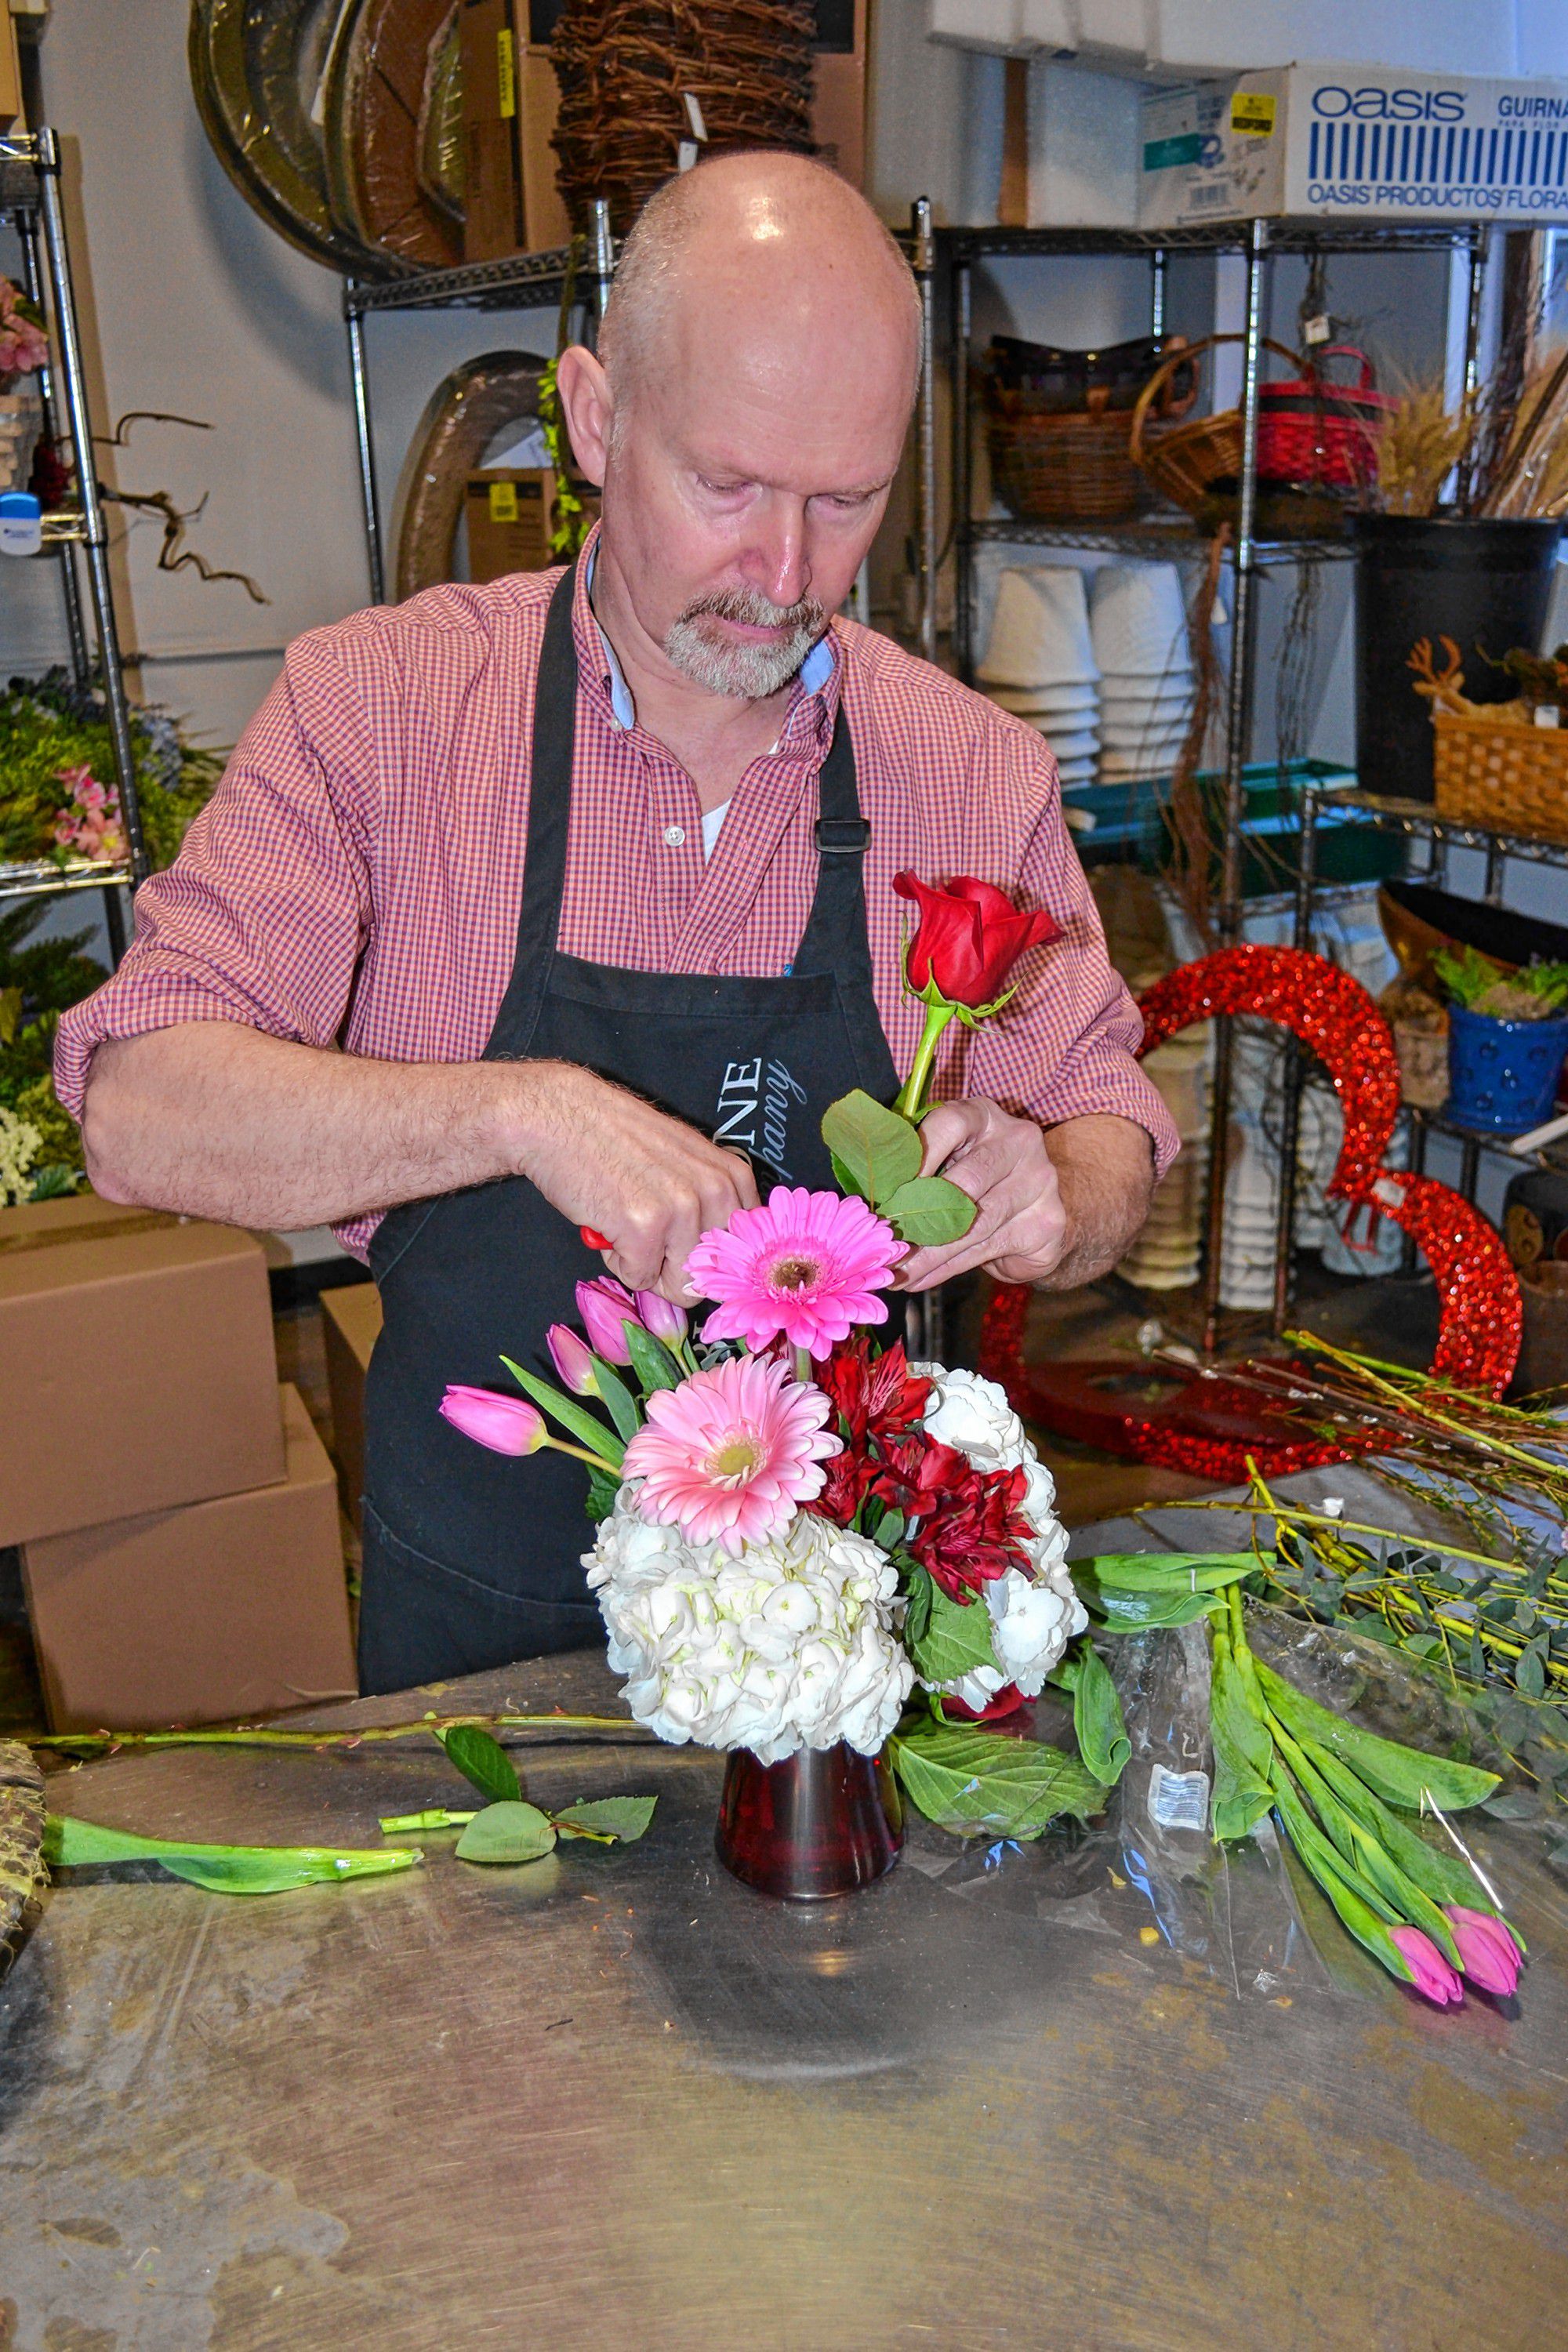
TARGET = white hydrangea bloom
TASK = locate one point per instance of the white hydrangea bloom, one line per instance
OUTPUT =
(1034, 1617)
(793, 1644)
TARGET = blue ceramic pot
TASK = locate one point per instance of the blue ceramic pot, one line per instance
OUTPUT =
(1502, 1075)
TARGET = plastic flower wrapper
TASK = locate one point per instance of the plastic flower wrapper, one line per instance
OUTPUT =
(790, 1643)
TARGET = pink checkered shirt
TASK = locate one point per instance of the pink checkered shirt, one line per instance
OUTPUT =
(357, 876)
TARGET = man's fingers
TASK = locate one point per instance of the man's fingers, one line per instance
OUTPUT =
(946, 1129)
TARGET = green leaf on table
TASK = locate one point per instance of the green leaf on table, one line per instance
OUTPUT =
(877, 1148)
(983, 1782)
(955, 1639)
(1173, 1571)
(618, 1399)
(1243, 1753)
(584, 1426)
(482, 1761)
(929, 1210)
(652, 1361)
(1400, 1775)
(1128, 1611)
(622, 1818)
(70, 1844)
(1098, 1726)
(507, 1833)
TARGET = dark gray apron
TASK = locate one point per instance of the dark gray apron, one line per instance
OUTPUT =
(474, 1559)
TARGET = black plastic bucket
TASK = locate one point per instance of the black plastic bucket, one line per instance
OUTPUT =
(1486, 585)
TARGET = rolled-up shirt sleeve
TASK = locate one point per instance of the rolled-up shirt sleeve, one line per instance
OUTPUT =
(1066, 1048)
(262, 918)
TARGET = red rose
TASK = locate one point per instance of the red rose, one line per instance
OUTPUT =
(1007, 1701)
(968, 938)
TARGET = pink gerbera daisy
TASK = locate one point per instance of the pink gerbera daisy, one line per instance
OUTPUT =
(728, 1454)
(809, 1264)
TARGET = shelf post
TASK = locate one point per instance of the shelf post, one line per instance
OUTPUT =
(924, 267)
(1290, 1101)
(368, 493)
(49, 390)
(1238, 729)
(95, 537)
(603, 254)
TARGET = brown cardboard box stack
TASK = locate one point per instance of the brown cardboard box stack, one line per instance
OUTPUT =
(176, 1512)
(510, 513)
(351, 1324)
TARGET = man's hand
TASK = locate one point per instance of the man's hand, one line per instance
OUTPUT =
(649, 1183)
(1056, 1207)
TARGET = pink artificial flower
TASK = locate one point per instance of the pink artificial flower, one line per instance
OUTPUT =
(604, 1305)
(21, 346)
(729, 1454)
(506, 1424)
(662, 1317)
(1429, 1971)
(571, 1357)
(1488, 1953)
(808, 1265)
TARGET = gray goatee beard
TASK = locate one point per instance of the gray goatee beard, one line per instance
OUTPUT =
(745, 673)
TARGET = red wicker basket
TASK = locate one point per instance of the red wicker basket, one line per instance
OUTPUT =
(1324, 436)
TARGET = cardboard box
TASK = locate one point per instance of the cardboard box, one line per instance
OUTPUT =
(510, 103)
(351, 1323)
(510, 513)
(137, 1366)
(232, 1608)
(1355, 143)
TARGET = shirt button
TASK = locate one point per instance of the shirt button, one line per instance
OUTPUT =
(674, 836)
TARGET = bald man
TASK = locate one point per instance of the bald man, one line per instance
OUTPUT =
(566, 902)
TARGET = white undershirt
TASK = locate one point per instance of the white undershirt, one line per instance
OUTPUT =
(712, 821)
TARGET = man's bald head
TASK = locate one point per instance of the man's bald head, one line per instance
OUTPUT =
(759, 237)
(745, 415)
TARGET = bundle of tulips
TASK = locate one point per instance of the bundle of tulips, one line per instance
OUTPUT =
(797, 1525)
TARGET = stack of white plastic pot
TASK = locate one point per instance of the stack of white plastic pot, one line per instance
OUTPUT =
(1138, 627)
(1167, 1253)
(1039, 663)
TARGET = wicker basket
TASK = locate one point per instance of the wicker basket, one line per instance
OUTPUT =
(1184, 462)
(1063, 468)
(1493, 766)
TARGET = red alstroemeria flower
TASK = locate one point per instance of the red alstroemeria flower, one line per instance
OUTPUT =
(969, 937)
(849, 1476)
(875, 1396)
(977, 1534)
(923, 1477)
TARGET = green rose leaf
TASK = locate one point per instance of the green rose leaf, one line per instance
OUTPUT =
(928, 1211)
(955, 1639)
(482, 1761)
(507, 1833)
(983, 1782)
(622, 1818)
(845, 1177)
(877, 1148)
(1399, 1775)
(1099, 1725)
(70, 1844)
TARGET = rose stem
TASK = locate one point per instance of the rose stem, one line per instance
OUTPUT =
(912, 1095)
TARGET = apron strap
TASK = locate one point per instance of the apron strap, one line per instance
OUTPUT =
(549, 822)
(835, 938)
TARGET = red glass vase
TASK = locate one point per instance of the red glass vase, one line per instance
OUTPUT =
(824, 1821)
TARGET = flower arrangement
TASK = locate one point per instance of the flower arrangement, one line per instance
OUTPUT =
(800, 1532)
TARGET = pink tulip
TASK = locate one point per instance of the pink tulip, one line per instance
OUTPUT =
(1488, 1953)
(1429, 1971)
(604, 1305)
(572, 1359)
(506, 1424)
(662, 1317)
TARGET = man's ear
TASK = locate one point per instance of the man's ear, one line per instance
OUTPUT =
(588, 405)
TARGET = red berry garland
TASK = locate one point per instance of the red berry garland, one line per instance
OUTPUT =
(1478, 1334)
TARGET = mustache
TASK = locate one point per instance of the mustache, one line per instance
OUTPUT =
(752, 610)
